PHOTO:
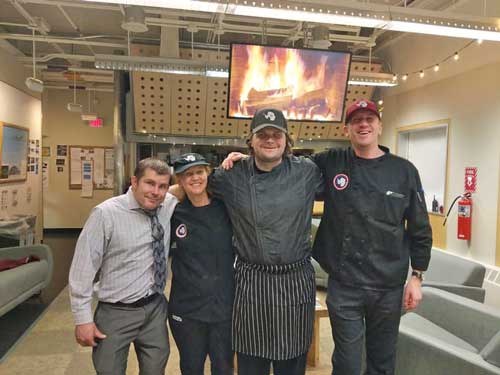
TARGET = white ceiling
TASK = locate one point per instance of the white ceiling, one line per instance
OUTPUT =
(78, 30)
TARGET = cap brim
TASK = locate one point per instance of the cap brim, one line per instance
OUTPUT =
(262, 126)
(187, 166)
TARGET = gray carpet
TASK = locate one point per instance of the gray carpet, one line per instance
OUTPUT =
(17, 322)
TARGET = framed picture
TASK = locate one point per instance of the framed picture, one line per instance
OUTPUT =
(14, 148)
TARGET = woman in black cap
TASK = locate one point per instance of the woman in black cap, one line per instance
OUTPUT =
(202, 292)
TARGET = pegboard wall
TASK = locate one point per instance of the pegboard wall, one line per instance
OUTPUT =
(197, 106)
(189, 95)
(152, 102)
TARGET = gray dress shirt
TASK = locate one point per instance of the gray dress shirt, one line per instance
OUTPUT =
(116, 244)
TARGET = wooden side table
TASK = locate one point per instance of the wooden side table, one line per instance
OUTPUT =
(313, 355)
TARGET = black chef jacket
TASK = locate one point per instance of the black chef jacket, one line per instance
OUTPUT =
(271, 212)
(202, 262)
(375, 219)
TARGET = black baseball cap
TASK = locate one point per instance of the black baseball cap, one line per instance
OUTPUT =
(187, 161)
(268, 117)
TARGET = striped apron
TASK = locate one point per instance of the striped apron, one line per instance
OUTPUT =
(273, 312)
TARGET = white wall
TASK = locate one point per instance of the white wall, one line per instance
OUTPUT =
(64, 208)
(472, 102)
(18, 108)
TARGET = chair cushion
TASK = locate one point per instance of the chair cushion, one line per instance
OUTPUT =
(491, 352)
(424, 326)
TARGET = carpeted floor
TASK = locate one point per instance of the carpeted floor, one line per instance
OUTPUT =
(17, 322)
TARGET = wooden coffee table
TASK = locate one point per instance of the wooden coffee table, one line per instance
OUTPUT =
(313, 355)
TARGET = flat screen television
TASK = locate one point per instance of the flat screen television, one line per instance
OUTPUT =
(306, 84)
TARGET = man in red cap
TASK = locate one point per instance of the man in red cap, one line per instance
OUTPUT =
(374, 224)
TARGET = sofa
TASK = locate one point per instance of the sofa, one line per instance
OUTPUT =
(456, 275)
(20, 283)
(449, 334)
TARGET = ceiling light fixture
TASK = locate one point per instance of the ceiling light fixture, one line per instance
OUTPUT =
(372, 79)
(134, 20)
(159, 65)
(33, 83)
(192, 67)
(74, 107)
(378, 16)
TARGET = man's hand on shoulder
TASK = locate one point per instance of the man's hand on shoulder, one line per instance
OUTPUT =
(232, 158)
(86, 334)
(177, 191)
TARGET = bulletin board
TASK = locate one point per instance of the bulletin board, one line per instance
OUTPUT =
(103, 160)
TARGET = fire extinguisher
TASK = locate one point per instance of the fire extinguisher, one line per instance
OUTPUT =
(464, 216)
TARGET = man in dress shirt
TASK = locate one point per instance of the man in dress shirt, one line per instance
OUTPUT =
(125, 246)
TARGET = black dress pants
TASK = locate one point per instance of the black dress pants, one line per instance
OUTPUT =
(195, 340)
(250, 365)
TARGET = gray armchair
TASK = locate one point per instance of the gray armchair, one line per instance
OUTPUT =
(449, 334)
(456, 275)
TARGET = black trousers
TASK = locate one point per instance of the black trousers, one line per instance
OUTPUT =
(364, 315)
(195, 340)
(249, 365)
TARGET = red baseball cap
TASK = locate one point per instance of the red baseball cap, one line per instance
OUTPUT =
(367, 105)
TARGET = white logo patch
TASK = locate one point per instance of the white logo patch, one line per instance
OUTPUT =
(181, 231)
(340, 181)
(175, 317)
(363, 104)
(270, 116)
(190, 158)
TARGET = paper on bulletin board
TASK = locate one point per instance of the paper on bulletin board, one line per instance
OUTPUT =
(87, 178)
(109, 167)
(75, 177)
(99, 166)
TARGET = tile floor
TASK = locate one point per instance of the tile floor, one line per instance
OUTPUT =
(49, 348)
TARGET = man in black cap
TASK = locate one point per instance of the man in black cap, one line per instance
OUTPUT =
(375, 221)
(269, 197)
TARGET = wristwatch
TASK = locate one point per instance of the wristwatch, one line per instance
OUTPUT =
(418, 274)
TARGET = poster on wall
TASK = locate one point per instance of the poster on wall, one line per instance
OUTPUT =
(62, 150)
(45, 173)
(45, 151)
(470, 182)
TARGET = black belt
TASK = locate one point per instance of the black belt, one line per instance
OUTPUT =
(139, 303)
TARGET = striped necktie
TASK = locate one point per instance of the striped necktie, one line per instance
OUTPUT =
(160, 265)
